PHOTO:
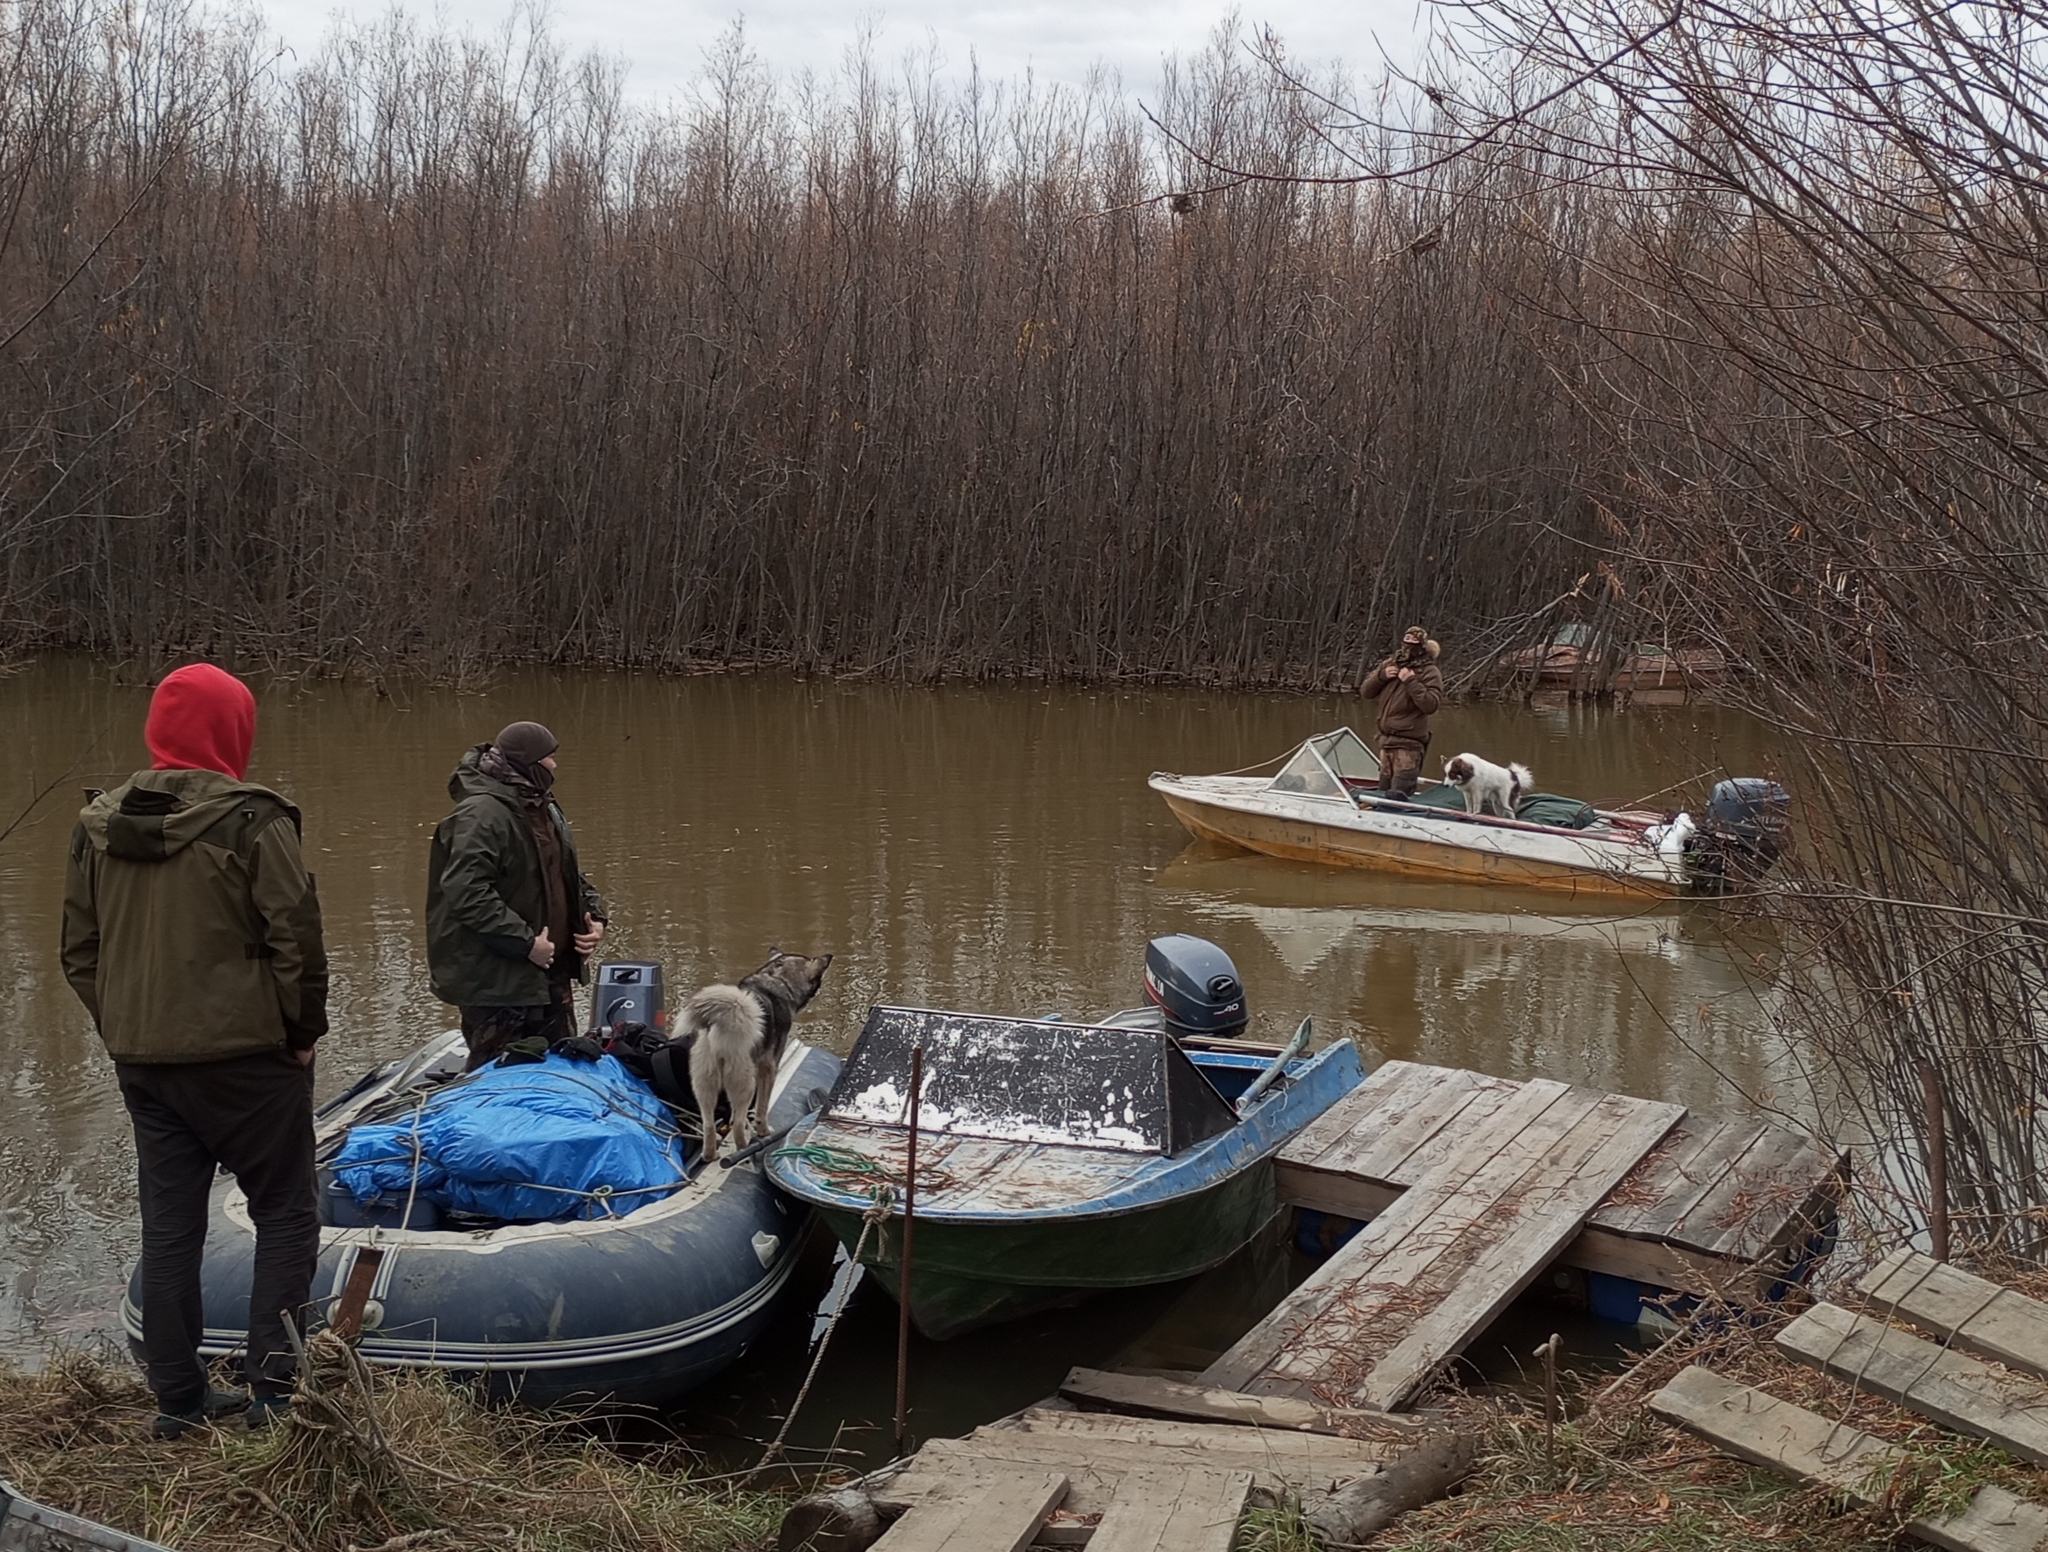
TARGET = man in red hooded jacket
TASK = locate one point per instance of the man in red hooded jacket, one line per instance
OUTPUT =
(192, 936)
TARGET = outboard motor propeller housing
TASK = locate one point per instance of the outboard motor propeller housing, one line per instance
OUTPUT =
(1195, 986)
(1748, 820)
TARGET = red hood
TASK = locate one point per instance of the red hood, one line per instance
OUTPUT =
(201, 719)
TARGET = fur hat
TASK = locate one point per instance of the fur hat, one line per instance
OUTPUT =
(526, 743)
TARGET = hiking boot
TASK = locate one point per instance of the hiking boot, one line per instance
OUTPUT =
(176, 1422)
(267, 1410)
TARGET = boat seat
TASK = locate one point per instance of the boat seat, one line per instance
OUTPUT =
(1544, 808)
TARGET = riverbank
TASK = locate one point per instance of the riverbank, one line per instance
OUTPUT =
(1619, 1479)
(390, 1462)
(369, 1464)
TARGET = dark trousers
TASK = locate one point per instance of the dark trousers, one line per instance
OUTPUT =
(487, 1031)
(252, 1115)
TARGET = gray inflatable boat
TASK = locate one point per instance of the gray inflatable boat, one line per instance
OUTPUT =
(638, 1309)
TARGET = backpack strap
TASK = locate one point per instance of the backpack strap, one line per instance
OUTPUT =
(253, 813)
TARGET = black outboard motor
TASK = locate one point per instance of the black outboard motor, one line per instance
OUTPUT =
(1195, 986)
(1748, 820)
(628, 991)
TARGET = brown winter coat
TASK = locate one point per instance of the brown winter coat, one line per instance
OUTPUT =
(1406, 705)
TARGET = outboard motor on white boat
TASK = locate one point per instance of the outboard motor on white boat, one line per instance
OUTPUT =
(1195, 987)
(1747, 822)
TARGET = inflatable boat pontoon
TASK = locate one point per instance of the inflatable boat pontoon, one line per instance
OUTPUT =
(638, 1308)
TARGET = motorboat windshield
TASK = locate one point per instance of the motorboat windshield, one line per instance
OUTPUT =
(1324, 764)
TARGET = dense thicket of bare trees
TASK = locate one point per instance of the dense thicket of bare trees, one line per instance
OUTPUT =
(432, 353)
(1812, 344)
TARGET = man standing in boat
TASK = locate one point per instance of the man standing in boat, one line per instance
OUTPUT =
(192, 936)
(1409, 687)
(511, 920)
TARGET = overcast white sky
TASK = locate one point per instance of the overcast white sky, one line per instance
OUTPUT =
(664, 42)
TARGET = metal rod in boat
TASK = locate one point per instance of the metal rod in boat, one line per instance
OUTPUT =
(1264, 1080)
(759, 1145)
(903, 1286)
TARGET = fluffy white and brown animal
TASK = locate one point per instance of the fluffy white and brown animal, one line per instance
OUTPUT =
(737, 1034)
(1488, 788)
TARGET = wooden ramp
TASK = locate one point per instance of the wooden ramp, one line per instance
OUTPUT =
(1956, 1391)
(1966, 1312)
(1487, 1206)
(1128, 1484)
(1715, 1209)
(1778, 1436)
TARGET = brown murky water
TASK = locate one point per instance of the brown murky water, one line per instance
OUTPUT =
(982, 848)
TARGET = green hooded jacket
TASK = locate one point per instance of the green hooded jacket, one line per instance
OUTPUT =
(487, 901)
(191, 926)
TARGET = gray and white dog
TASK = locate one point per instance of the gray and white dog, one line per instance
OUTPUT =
(737, 1035)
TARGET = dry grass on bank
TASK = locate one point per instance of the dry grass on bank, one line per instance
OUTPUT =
(1623, 1481)
(394, 1463)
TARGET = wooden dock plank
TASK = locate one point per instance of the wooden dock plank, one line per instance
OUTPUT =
(1463, 1283)
(1180, 1509)
(1090, 1486)
(1769, 1184)
(1094, 1468)
(1717, 1210)
(1778, 1436)
(1963, 1310)
(1389, 1092)
(1299, 1310)
(1380, 1318)
(1594, 1250)
(1669, 1183)
(1707, 1216)
(991, 1510)
(1956, 1391)
(1379, 1140)
(1478, 1113)
(1096, 1436)
(1146, 1395)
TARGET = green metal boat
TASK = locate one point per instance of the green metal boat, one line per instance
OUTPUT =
(1054, 1160)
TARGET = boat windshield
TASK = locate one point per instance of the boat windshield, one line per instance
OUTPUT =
(1321, 765)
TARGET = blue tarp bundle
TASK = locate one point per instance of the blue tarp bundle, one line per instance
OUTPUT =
(528, 1143)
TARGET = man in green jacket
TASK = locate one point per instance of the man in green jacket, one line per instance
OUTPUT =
(192, 936)
(511, 920)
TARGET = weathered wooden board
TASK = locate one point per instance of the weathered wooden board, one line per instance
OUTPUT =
(1657, 1197)
(1954, 1390)
(1298, 1312)
(987, 1510)
(1771, 1184)
(1149, 1396)
(1390, 1091)
(1963, 1310)
(1088, 1435)
(1090, 1486)
(1787, 1439)
(1713, 1211)
(1377, 1320)
(1177, 1509)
